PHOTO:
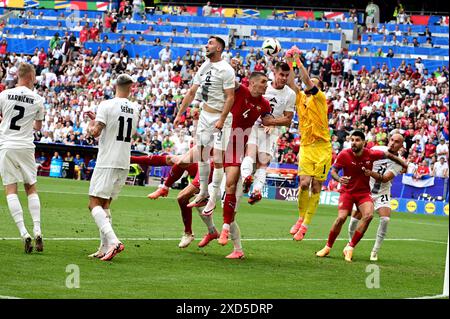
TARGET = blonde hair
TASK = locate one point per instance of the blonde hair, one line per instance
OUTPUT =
(25, 69)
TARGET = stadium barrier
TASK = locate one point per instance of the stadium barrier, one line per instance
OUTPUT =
(402, 205)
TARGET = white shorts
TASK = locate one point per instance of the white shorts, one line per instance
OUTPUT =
(207, 135)
(266, 143)
(18, 165)
(107, 182)
(381, 200)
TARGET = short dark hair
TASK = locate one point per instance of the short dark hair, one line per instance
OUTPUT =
(283, 66)
(256, 74)
(359, 133)
(220, 40)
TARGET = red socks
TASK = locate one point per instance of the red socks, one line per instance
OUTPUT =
(152, 160)
(229, 207)
(332, 238)
(356, 238)
(186, 215)
(175, 174)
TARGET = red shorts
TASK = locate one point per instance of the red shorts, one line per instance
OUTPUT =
(346, 200)
(192, 169)
(235, 150)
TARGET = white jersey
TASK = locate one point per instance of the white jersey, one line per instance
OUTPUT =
(120, 117)
(381, 167)
(19, 107)
(280, 101)
(213, 79)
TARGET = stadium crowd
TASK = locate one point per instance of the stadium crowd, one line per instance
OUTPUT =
(410, 99)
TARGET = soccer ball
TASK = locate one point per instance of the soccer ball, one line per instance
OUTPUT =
(271, 47)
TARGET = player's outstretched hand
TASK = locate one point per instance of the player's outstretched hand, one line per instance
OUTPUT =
(344, 180)
(91, 115)
(176, 121)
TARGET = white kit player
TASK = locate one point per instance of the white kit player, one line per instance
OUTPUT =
(380, 184)
(262, 143)
(22, 110)
(216, 80)
(115, 122)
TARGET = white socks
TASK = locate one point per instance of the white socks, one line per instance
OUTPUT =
(17, 213)
(203, 174)
(235, 236)
(352, 227)
(260, 179)
(381, 233)
(214, 187)
(208, 220)
(103, 224)
(246, 167)
(34, 206)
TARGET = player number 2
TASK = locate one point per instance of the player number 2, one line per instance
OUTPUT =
(121, 128)
(13, 125)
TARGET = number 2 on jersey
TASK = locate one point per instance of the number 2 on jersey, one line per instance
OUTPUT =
(121, 128)
(13, 125)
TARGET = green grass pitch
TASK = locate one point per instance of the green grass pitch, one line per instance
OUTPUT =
(411, 264)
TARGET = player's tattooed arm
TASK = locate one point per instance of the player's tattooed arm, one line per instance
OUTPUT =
(95, 128)
(285, 120)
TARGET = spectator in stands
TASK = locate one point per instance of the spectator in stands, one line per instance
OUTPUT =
(390, 53)
(84, 35)
(397, 31)
(394, 41)
(3, 48)
(415, 42)
(379, 53)
(442, 150)
(405, 41)
(207, 9)
(46, 138)
(383, 30)
(289, 157)
(165, 55)
(422, 170)
(254, 35)
(440, 169)
(242, 45)
(348, 67)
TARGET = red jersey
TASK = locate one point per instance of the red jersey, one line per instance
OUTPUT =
(351, 164)
(246, 109)
(84, 35)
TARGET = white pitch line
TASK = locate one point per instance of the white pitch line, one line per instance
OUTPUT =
(9, 297)
(244, 239)
(430, 297)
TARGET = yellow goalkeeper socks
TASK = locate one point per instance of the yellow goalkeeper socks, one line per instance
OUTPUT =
(303, 202)
(312, 207)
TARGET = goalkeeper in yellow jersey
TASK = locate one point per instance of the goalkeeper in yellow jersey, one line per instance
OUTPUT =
(315, 145)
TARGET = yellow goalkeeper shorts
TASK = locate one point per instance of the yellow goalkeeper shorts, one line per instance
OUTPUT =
(315, 160)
